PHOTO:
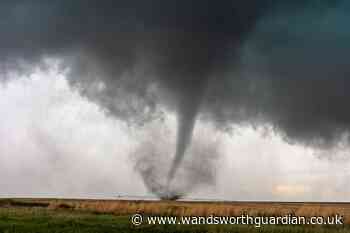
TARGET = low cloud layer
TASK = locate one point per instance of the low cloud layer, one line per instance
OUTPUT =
(283, 63)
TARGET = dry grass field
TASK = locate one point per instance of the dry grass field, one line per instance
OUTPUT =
(181, 208)
(87, 216)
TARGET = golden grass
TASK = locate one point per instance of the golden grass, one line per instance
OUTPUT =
(121, 207)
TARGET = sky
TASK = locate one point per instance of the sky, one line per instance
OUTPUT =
(234, 100)
(56, 143)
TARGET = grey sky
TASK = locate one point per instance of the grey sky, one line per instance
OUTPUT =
(56, 143)
(131, 94)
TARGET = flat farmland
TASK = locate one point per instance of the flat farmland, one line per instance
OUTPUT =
(73, 215)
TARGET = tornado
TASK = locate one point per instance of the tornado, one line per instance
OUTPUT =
(186, 117)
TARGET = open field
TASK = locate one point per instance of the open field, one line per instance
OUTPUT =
(57, 215)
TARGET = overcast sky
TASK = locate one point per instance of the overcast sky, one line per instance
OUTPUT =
(56, 143)
(235, 100)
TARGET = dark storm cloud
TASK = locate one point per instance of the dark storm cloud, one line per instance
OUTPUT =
(293, 74)
(279, 62)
